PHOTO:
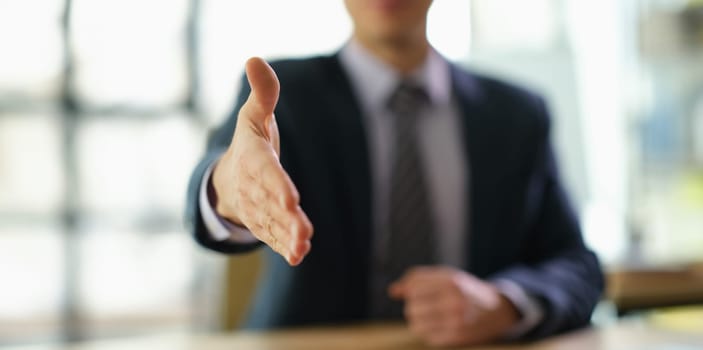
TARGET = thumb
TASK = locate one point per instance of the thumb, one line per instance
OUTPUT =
(264, 88)
(397, 290)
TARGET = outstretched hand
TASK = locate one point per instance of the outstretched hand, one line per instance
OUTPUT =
(252, 187)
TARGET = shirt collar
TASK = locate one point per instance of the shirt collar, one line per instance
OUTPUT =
(375, 80)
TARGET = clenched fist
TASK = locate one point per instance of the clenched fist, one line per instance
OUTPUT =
(449, 307)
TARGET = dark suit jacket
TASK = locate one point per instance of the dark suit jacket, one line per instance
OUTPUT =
(521, 224)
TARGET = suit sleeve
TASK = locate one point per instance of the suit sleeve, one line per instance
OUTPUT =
(557, 268)
(217, 143)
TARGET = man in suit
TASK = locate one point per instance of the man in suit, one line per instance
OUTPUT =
(433, 192)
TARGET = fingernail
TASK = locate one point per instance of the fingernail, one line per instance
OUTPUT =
(294, 261)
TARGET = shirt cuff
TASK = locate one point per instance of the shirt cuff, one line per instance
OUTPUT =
(530, 309)
(220, 229)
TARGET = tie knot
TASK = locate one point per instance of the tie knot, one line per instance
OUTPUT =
(407, 99)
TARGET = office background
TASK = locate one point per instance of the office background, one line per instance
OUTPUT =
(105, 106)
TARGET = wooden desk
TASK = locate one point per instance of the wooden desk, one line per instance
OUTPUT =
(389, 337)
(637, 289)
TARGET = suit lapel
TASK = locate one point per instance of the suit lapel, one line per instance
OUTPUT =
(352, 169)
(479, 136)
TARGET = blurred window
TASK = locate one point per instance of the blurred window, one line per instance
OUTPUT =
(31, 169)
(98, 135)
(667, 123)
(32, 51)
(130, 52)
(32, 269)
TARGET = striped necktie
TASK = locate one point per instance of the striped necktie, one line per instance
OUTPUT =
(410, 222)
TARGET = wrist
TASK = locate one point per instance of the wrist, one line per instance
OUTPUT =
(511, 312)
(507, 313)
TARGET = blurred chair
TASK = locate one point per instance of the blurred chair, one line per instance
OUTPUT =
(640, 289)
(241, 276)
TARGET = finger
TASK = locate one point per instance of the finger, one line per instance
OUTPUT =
(278, 239)
(276, 189)
(299, 234)
(302, 227)
(399, 287)
(437, 322)
(273, 234)
(265, 87)
(268, 173)
(418, 310)
(262, 221)
(442, 331)
(425, 326)
(415, 275)
(293, 230)
(280, 190)
(410, 279)
(420, 290)
(430, 321)
(272, 193)
(268, 203)
(424, 316)
(304, 248)
(396, 290)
